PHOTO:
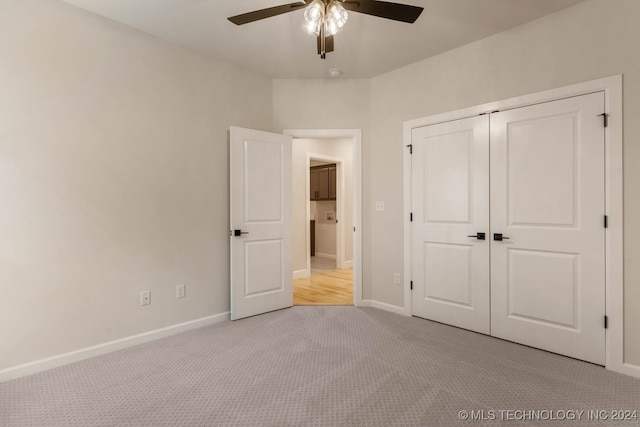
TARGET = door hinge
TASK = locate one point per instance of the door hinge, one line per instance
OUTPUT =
(410, 148)
(606, 221)
(411, 217)
(605, 116)
(606, 322)
(411, 284)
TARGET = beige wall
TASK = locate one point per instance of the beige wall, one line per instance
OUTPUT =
(325, 230)
(325, 243)
(594, 39)
(113, 178)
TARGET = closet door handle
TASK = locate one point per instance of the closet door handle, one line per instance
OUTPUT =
(479, 236)
(498, 237)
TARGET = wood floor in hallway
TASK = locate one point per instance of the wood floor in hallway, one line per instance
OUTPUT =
(334, 287)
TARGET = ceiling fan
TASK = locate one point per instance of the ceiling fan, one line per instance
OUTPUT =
(323, 18)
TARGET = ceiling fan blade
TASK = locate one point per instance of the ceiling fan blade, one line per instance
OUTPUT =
(257, 15)
(328, 44)
(383, 9)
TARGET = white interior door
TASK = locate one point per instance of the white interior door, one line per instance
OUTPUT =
(260, 222)
(547, 197)
(450, 203)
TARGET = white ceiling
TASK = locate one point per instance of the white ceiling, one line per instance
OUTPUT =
(366, 47)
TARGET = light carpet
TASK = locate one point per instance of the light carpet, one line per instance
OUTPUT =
(319, 366)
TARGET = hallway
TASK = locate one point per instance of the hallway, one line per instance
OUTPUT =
(326, 285)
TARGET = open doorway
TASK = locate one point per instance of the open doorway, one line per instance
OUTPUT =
(325, 196)
(329, 192)
(328, 227)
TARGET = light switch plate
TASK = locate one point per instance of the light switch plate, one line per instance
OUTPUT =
(380, 206)
(180, 291)
(145, 297)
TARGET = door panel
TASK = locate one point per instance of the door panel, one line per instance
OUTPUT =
(447, 192)
(450, 195)
(263, 267)
(260, 201)
(547, 197)
(536, 145)
(447, 273)
(533, 277)
(263, 186)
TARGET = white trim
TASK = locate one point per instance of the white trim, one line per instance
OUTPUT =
(630, 369)
(407, 191)
(356, 136)
(347, 264)
(614, 263)
(604, 84)
(614, 287)
(384, 306)
(301, 274)
(327, 256)
(107, 347)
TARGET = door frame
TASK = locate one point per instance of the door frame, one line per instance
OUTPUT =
(340, 207)
(614, 285)
(356, 138)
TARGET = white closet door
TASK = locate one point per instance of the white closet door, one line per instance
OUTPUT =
(450, 197)
(547, 198)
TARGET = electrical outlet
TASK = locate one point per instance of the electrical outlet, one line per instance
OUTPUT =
(145, 297)
(180, 291)
(379, 206)
(396, 278)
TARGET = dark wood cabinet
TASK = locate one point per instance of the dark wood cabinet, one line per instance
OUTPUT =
(332, 182)
(313, 237)
(322, 182)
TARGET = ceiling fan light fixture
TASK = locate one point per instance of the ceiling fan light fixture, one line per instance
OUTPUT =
(311, 27)
(314, 17)
(318, 13)
(335, 17)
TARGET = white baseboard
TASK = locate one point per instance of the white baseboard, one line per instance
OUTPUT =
(104, 348)
(630, 369)
(300, 274)
(386, 307)
(347, 264)
(321, 255)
